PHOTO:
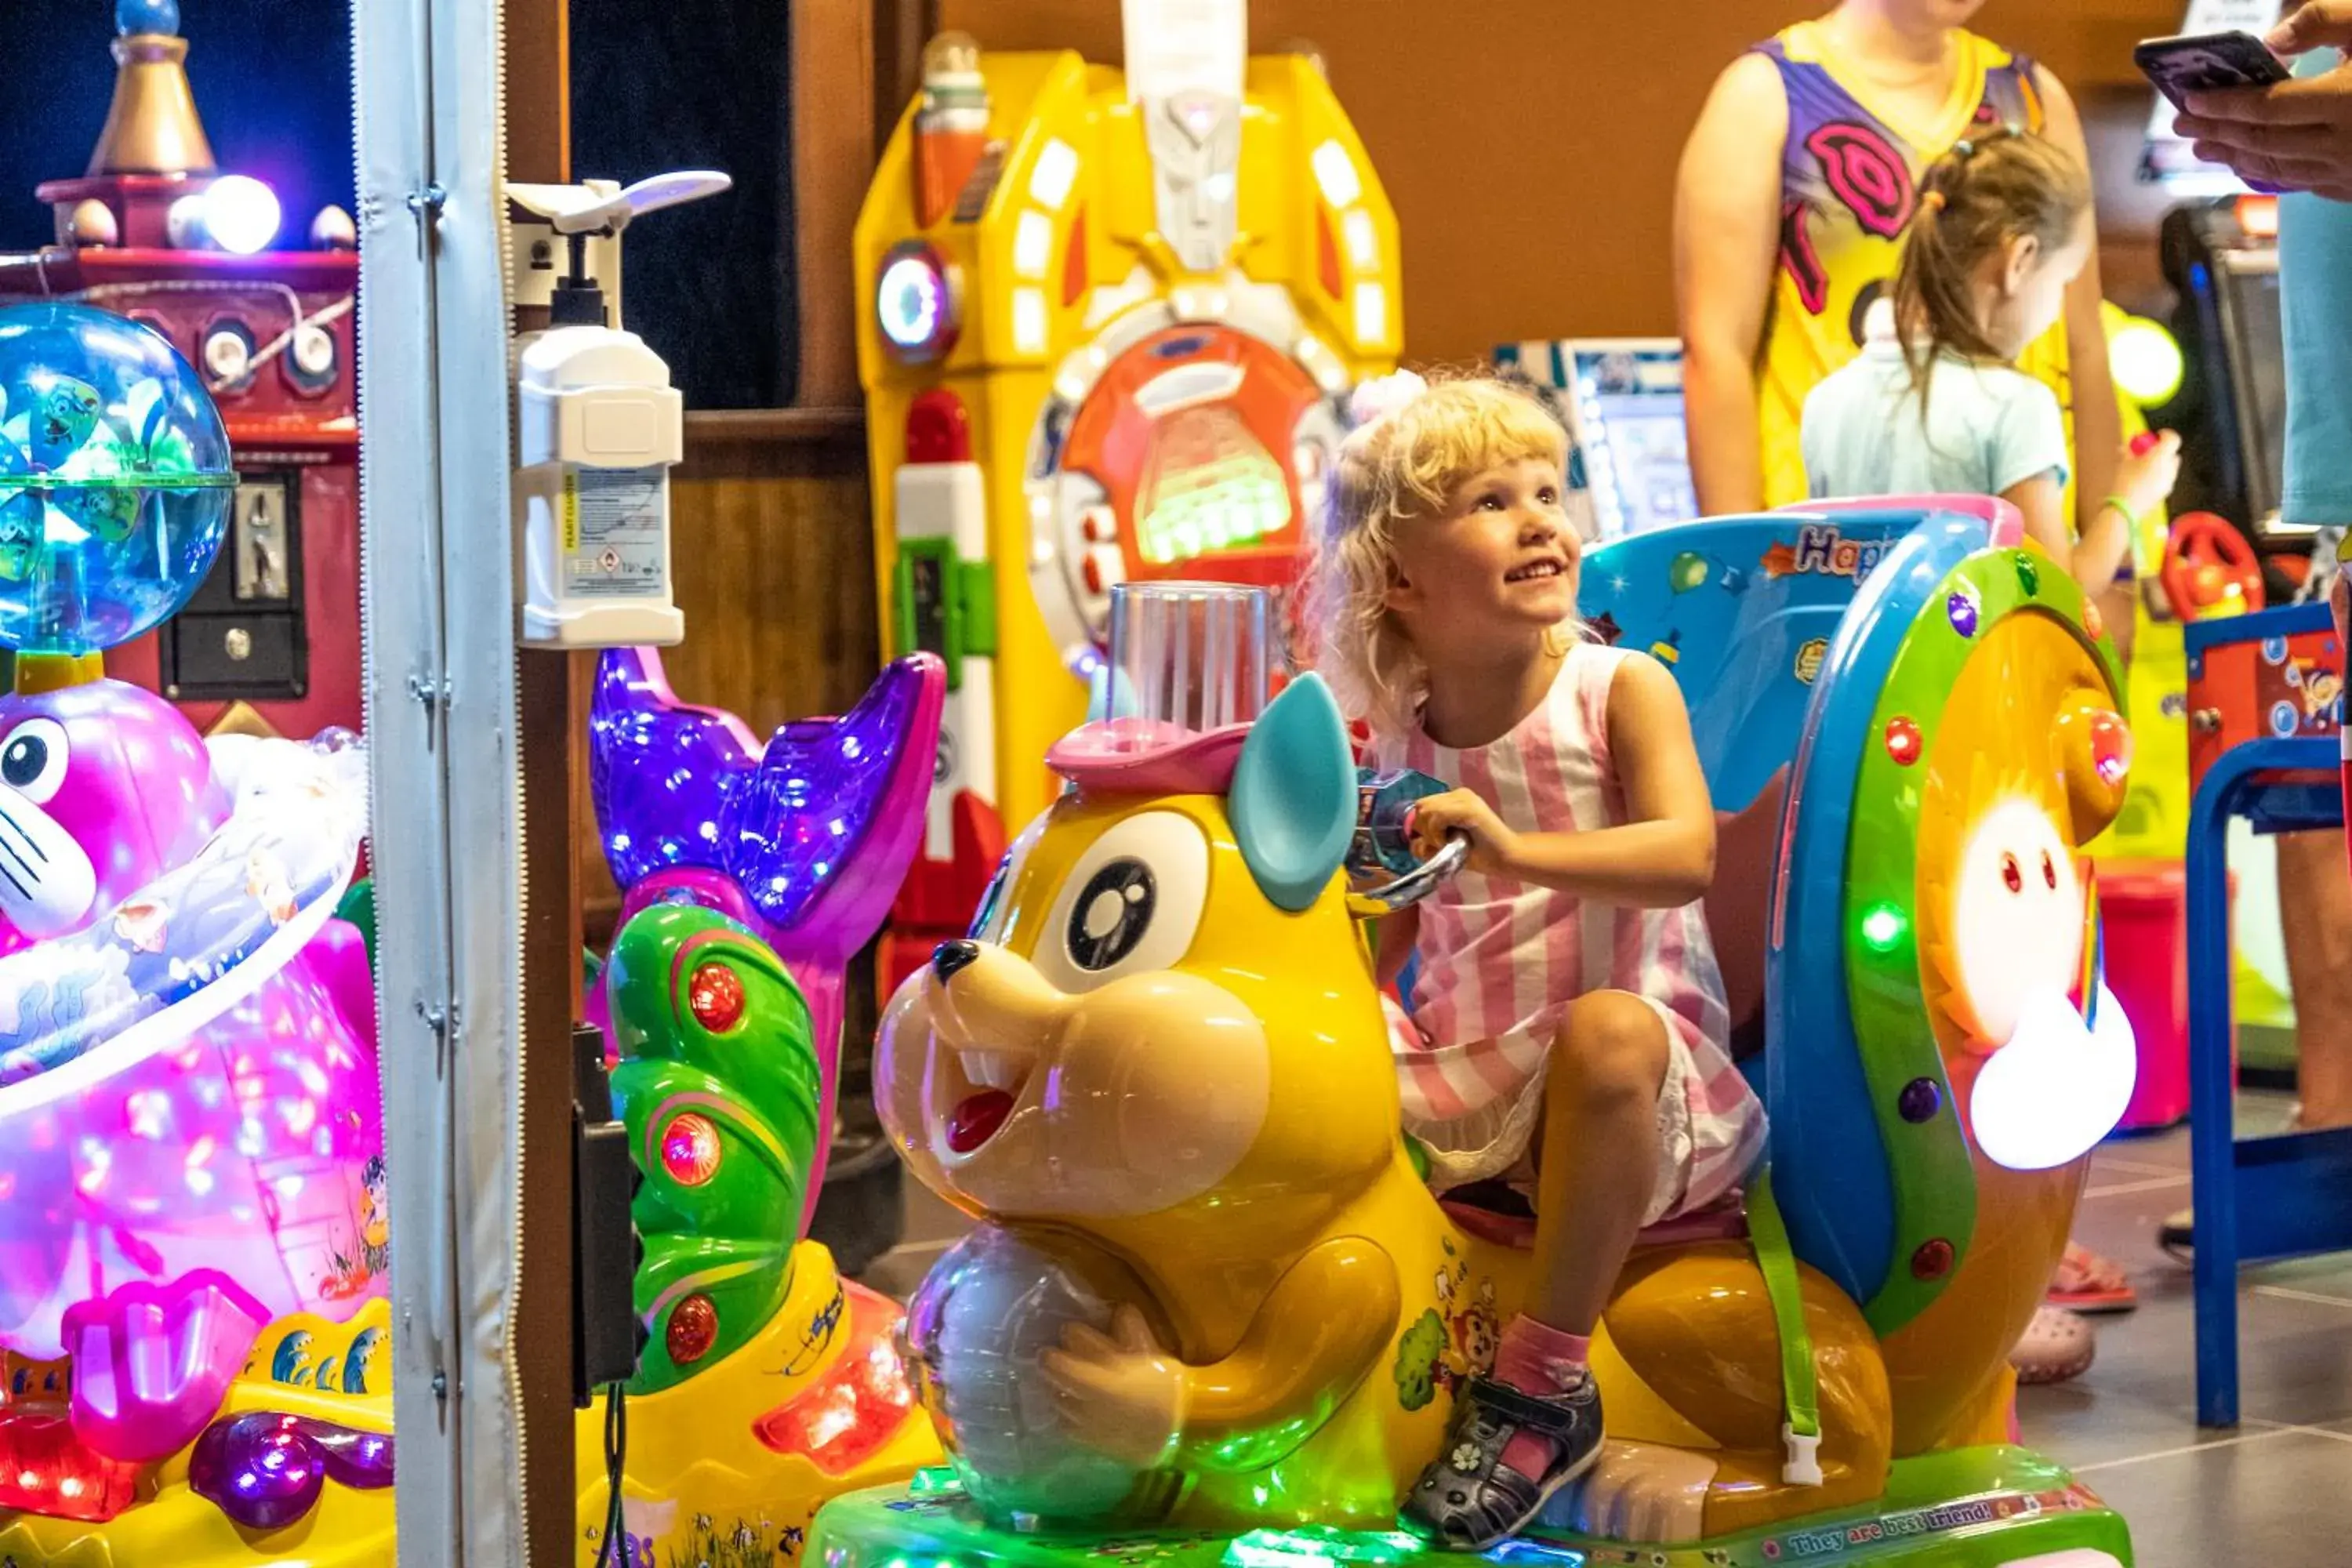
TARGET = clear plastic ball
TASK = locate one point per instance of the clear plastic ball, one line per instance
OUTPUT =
(115, 479)
(134, 18)
(989, 1309)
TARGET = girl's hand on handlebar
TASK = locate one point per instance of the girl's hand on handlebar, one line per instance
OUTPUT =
(1494, 847)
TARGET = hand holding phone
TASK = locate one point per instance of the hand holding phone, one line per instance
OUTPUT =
(2203, 62)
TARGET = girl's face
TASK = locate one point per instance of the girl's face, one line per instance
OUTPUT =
(2026, 286)
(1501, 559)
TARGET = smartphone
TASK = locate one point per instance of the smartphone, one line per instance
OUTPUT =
(2202, 62)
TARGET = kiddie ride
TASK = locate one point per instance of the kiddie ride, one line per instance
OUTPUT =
(193, 1201)
(1213, 1315)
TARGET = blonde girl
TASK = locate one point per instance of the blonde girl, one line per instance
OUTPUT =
(1568, 1028)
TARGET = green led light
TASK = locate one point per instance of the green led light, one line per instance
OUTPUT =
(1321, 1546)
(2145, 360)
(935, 1481)
(1883, 928)
(1219, 504)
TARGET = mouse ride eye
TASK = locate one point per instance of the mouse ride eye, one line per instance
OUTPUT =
(33, 759)
(1113, 912)
(1129, 904)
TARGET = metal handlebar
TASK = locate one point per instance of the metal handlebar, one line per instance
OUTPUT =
(1415, 885)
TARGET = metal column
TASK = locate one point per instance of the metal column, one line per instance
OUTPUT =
(437, 596)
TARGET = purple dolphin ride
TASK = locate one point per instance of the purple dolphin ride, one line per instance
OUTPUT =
(804, 842)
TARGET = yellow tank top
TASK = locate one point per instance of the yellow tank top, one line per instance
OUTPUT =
(1849, 178)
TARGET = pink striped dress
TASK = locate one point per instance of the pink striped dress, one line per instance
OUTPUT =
(1498, 961)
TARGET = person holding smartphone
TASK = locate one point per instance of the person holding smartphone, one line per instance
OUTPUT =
(2293, 135)
(2296, 136)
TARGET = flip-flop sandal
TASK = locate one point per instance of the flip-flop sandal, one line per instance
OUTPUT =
(1467, 1499)
(2057, 1346)
(2178, 1236)
(2087, 1282)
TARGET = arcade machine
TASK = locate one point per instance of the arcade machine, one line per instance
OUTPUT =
(271, 642)
(1109, 321)
(1621, 399)
(2222, 256)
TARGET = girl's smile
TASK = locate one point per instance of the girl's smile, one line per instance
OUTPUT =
(1500, 558)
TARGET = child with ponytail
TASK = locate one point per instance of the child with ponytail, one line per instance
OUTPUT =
(1933, 405)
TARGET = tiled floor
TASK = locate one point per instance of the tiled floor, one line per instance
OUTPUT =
(2275, 1493)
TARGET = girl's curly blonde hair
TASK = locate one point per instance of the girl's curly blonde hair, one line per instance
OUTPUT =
(1402, 467)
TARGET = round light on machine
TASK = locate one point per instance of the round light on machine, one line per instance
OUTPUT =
(2146, 361)
(183, 222)
(135, 18)
(241, 214)
(1883, 928)
(915, 303)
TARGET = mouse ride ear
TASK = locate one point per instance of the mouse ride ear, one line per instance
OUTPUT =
(1293, 800)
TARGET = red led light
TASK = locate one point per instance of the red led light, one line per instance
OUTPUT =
(690, 1149)
(2111, 748)
(1903, 740)
(45, 1470)
(716, 995)
(938, 430)
(693, 1330)
(852, 1413)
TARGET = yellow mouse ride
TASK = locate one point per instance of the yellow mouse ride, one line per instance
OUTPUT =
(1213, 1302)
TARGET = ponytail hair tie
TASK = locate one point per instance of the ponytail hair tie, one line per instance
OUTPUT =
(1931, 201)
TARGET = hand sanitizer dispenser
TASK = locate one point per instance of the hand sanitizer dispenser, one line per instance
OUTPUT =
(598, 427)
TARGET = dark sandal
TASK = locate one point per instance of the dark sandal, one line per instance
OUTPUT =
(1467, 1499)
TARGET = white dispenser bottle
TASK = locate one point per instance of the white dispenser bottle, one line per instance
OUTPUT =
(597, 429)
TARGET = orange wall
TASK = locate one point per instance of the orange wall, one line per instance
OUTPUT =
(1530, 145)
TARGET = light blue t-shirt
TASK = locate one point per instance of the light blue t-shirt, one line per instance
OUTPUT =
(1985, 429)
(2315, 321)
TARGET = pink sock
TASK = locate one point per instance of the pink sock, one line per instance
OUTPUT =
(1531, 1359)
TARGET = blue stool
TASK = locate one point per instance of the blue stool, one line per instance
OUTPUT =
(2283, 1197)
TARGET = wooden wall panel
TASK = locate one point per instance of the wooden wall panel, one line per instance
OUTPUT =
(1530, 145)
(834, 146)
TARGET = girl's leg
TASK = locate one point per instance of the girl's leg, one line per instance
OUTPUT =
(1597, 1160)
(1597, 1170)
(1513, 1446)
(2316, 900)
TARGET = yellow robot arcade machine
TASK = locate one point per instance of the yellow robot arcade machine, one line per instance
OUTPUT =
(1109, 323)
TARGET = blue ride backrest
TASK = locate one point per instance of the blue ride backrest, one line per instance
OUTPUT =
(1741, 609)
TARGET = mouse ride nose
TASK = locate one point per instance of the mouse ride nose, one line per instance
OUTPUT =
(951, 956)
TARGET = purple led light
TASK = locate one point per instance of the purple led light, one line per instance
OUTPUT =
(266, 1469)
